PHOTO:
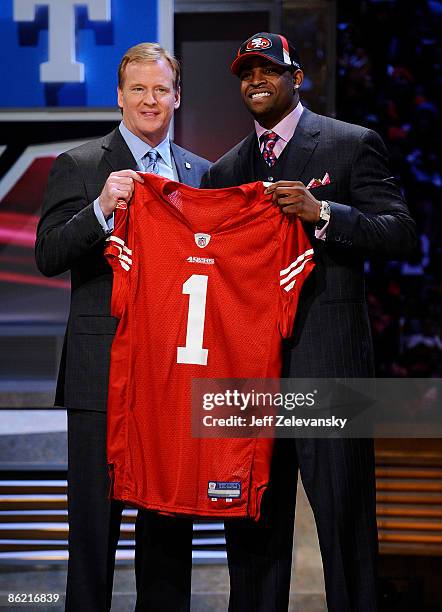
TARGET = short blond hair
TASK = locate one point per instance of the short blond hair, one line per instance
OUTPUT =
(149, 52)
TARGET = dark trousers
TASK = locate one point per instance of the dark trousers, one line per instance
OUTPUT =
(163, 544)
(338, 477)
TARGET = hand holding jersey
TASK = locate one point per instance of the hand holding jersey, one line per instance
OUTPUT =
(294, 198)
(118, 187)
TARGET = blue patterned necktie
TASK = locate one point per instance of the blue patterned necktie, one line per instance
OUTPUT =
(150, 161)
(269, 139)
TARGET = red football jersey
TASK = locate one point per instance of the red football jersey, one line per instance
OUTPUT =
(206, 282)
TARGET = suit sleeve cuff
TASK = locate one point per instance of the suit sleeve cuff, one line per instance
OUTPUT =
(107, 225)
(341, 227)
(321, 234)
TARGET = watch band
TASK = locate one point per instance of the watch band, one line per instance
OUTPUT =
(324, 215)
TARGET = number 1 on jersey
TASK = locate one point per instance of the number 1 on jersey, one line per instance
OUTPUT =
(196, 288)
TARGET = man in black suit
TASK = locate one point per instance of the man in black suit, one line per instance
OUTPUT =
(84, 188)
(334, 177)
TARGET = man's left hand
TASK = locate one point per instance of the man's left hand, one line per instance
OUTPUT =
(294, 198)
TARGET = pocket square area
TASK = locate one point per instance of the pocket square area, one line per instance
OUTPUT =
(315, 182)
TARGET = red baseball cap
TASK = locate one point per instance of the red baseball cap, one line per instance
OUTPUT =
(273, 47)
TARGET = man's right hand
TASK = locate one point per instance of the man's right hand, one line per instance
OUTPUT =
(118, 187)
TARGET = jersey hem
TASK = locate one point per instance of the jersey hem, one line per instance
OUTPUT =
(182, 511)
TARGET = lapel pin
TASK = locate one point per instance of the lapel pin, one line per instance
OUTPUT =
(188, 166)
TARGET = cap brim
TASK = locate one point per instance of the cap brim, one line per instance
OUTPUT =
(236, 65)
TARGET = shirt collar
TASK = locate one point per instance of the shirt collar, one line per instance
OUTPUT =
(139, 148)
(286, 127)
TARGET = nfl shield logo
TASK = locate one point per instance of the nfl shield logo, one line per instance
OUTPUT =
(202, 240)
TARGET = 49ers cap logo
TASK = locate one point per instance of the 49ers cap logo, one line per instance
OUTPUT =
(258, 43)
(274, 47)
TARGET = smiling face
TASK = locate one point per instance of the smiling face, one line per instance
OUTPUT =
(268, 90)
(148, 99)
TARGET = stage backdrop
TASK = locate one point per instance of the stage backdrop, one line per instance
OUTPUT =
(59, 61)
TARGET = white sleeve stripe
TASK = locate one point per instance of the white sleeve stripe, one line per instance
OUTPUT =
(125, 261)
(290, 286)
(295, 263)
(121, 242)
(294, 272)
(125, 258)
(116, 239)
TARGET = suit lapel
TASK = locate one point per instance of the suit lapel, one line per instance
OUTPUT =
(117, 154)
(302, 145)
(301, 148)
(243, 169)
(187, 172)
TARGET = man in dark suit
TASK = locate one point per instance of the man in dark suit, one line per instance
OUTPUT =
(334, 177)
(84, 188)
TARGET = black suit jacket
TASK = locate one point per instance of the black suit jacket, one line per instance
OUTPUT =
(69, 237)
(368, 215)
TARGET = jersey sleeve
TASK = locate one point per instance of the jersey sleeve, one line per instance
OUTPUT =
(296, 263)
(119, 254)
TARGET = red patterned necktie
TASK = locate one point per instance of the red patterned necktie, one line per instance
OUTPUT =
(269, 139)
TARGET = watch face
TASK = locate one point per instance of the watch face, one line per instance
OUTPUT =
(324, 215)
(325, 211)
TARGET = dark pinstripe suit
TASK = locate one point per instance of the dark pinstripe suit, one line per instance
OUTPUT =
(332, 339)
(69, 237)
